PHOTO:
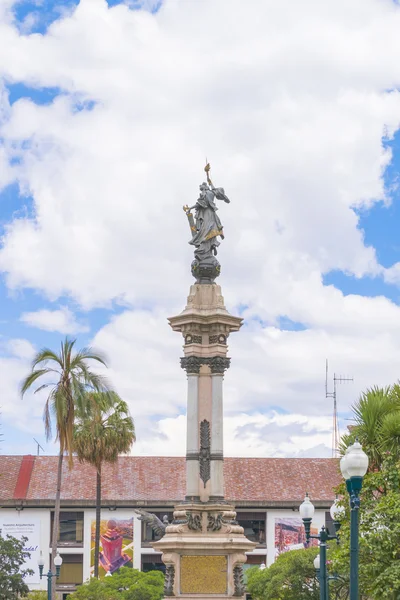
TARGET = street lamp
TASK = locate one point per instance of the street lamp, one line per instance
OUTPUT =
(353, 466)
(307, 511)
(49, 574)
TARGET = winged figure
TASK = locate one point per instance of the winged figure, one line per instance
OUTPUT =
(151, 519)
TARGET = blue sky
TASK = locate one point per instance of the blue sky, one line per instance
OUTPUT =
(125, 293)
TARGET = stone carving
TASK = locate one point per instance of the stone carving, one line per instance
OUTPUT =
(205, 454)
(169, 580)
(191, 364)
(217, 339)
(214, 522)
(217, 364)
(193, 339)
(238, 581)
(151, 519)
(193, 521)
(205, 228)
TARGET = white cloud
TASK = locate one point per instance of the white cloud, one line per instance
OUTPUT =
(22, 413)
(289, 101)
(62, 320)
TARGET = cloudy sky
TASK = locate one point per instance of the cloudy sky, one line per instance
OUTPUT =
(107, 113)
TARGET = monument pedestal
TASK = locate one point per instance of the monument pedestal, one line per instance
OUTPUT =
(204, 551)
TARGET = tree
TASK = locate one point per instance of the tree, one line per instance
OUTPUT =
(12, 557)
(103, 430)
(291, 577)
(377, 424)
(69, 391)
(379, 572)
(126, 584)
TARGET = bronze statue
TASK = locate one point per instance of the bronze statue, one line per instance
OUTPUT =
(206, 227)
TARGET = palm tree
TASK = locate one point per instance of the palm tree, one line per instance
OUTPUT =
(377, 424)
(72, 379)
(103, 430)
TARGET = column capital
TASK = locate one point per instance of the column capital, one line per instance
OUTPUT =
(217, 364)
(191, 364)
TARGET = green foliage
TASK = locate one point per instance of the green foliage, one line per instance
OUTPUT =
(379, 572)
(103, 429)
(377, 424)
(12, 557)
(68, 378)
(37, 595)
(126, 584)
(291, 577)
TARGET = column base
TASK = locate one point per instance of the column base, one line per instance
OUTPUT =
(204, 550)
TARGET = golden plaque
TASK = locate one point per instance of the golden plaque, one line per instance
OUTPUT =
(204, 574)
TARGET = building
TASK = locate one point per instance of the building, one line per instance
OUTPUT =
(266, 492)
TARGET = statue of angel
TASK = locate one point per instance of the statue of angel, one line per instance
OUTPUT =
(151, 519)
(206, 225)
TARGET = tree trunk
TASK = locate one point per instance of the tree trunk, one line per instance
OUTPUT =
(98, 516)
(56, 523)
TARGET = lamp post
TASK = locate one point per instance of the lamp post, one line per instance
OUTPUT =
(307, 511)
(317, 567)
(353, 466)
(49, 574)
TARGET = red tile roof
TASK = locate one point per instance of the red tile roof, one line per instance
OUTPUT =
(9, 471)
(158, 479)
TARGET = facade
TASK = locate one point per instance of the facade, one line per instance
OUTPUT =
(265, 491)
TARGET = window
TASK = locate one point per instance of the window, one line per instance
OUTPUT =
(152, 562)
(253, 524)
(71, 569)
(148, 535)
(71, 528)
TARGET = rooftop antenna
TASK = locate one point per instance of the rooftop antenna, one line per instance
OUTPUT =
(39, 447)
(335, 429)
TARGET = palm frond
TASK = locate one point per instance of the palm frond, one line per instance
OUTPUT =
(44, 356)
(30, 380)
(88, 354)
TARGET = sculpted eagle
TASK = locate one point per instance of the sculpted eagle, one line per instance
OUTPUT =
(151, 519)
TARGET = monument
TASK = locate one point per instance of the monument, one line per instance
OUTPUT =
(204, 547)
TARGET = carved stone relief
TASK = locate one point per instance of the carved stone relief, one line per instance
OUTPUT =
(205, 454)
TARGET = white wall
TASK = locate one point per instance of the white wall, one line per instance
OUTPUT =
(25, 516)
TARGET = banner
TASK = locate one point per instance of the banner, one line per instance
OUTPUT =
(290, 535)
(29, 528)
(116, 545)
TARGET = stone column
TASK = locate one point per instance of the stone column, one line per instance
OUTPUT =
(217, 366)
(192, 438)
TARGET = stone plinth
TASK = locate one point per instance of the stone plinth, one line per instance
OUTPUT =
(204, 551)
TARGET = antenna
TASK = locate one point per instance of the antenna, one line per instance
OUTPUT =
(335, 429)
(38, 446)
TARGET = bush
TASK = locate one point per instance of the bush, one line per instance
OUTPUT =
(126, 584)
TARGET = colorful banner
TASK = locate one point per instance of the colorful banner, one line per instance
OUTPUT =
(29, 528)
(116, 545)
(290, 535)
